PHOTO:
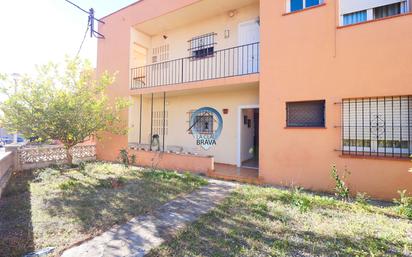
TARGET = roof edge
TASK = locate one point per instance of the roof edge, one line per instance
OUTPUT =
(121, 9)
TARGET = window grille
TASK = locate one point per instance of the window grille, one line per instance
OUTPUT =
(160, 54)
(377, 126)
(305, 114)
(204, 123)
(158, 122)
(202, 46)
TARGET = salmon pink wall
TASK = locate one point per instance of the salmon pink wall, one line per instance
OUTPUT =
(306, 57)
(172, 161)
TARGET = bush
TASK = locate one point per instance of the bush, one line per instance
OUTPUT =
(69, 185)
(297, 199)
(126, 159)
(362, 198)
(405, 204)
(341, 190)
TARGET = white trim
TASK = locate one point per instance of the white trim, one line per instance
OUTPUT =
(239, 122)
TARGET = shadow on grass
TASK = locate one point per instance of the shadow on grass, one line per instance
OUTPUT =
(242, 228)
(16, 230)
(97, 207)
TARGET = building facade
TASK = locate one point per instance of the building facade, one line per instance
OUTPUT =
(274, 92)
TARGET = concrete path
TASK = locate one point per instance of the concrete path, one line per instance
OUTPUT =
(141, 234)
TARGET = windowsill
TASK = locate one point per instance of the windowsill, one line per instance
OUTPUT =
(361, 155)
(305, 9)
(290, 127)
(375, 20)
(193, 58)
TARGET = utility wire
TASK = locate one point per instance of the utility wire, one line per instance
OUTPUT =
(84, 38)
(90, 25)
(83, 10)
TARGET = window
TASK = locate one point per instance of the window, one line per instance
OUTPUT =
(203, 123)
(387, 10)
(158, 125)
(296, 5)
(368, 10)
(377, 126)
(160, 54)
(305, 114)
(356, 17)
(202, 46)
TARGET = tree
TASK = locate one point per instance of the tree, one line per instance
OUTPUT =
(61, 103)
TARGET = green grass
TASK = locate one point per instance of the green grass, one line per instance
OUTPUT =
(265, 221)
(53, 207)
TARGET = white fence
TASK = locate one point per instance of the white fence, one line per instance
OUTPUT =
(34, 157)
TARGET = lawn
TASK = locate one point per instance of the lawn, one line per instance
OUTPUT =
(266, 221)
(55, 207)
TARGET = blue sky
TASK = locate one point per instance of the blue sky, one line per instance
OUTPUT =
(37, 31)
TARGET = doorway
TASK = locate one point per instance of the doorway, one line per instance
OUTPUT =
(248, 36)
(248, 154)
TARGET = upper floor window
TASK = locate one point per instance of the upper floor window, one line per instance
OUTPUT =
(296, 5)
(355, 17)
(387, 10)
(369, 10)
(202, 46)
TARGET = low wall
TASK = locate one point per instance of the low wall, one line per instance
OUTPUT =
(173, 161)
(6, 168)
(36, 157)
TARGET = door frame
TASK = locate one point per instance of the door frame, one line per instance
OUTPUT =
(239, 123)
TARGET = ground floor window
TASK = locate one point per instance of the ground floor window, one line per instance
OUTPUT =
(305, 114)
(380, 126)
(203, 123)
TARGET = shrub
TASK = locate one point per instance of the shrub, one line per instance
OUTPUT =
(405, 204)
(82, 166)
(126, 159)
(300, 201)
(297, 199)
(341, 190)
(362, 198)
(69, 185)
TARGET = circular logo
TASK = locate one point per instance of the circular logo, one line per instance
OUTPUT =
(206, 126)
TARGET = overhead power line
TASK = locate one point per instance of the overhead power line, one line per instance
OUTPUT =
(90, 25)
(84, 38)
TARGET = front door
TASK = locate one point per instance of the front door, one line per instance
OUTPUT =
(248, 34)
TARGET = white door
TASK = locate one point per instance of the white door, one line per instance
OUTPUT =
(248, 55)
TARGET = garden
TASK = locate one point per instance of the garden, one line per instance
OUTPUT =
(58, 207)
(268, 221)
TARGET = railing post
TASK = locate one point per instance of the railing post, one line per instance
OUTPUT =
(182, 70)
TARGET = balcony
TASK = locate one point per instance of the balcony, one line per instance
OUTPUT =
(230, 62)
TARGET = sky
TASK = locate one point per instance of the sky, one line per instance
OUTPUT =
(34, 32)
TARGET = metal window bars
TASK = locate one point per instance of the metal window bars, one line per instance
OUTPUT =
(377, 126)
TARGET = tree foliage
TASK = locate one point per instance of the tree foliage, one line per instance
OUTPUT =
(66, 103)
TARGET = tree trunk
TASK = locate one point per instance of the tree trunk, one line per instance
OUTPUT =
(69, 155)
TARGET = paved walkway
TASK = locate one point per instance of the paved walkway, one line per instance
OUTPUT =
(145, 232)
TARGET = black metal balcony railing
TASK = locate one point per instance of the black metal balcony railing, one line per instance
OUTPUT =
(230, 62)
